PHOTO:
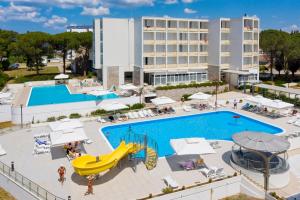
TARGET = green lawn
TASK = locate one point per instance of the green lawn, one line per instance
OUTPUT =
(5, 195)
(24, 75)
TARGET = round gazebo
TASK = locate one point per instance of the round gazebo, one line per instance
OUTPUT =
(260, 152)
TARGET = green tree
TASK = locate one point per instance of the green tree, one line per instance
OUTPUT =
(6, 38)
(279, 63)
(85, 45)
(270, 43)
(65, 42)
(294, 58)
(33, 46)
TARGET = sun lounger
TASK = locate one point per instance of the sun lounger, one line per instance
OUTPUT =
(151, 113)
(101, 120)
(170, 182)
(297, 123)
(88, 141)
(215, 145)
(209, 173)
(219, 172)
(141, 114)
(292, 120)
(145, 113)
(2, 151)
(136, 115)
(130, 115)
(187, 108)
(187, 165)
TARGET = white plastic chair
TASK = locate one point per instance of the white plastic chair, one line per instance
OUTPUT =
(170, 182)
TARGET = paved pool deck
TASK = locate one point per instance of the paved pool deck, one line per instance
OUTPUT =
(122, 182)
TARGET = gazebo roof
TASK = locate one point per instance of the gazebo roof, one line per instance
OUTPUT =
(263, 142)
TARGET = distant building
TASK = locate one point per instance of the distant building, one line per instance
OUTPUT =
(80, 29)
(163, 51)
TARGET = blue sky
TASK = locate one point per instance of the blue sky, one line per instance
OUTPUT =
(54, 15)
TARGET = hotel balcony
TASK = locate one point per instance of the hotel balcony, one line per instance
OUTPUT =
(225, 66)
(160, 54)
(194, 41)
(172, 29)
(160, 41)
(183, 41)
(193, 53)
(171, 41)
(225, 30)
(160, 66)
(247, 66)
(193, 29)
(203, 30)
(226, 42)
(248, 54)
(204, 53)
(248, 41)
(171, 54)
(193, 65)
(225, 53)
(185, 65)
(149, 66)
(149, 42)
(171, 66)
(203, 41)
(183, 53)
(183, 29)
(248, 28)
(203, 65)
(149, 54)
(255, 41)
(149, 28)
(160, 28)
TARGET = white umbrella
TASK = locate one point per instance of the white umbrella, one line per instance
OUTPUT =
(128, 87)
(113, 106)
(278, 104)
(61, 76)
(65, 137)
(162, 101)
(65, 124)
(200, 96)
(189, 146)
(99, 92)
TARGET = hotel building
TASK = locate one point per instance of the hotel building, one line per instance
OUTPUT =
(163, 51)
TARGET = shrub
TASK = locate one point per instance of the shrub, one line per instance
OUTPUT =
(235, 174)
(137, 106)
(74, 116)
(209, 180)
(150, 195)
(241, 101)
(191, 85)
(185, 97)
(61, 117)
(51, 119)
(3, 80)
(98, 112)
(226, 89)
(167, 190)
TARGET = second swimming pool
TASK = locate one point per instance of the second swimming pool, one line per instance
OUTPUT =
(214, 125)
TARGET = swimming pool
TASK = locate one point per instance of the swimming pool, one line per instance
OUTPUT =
(219, 125)
(56, 94)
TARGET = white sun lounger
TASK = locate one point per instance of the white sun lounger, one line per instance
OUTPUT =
(2, 151)
(209, 173)
(297, 123)
(136, 115)
(146, 113)
(219, 172)
(150, 113)
(141, 114)
(187, 108)
(292, 120)
(101, 120)
(170, 182)
(130, 115)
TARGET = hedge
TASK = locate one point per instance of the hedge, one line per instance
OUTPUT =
(191, 85)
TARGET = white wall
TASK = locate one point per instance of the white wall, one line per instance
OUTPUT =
(42, 113)
(236, 39)
(214, 45)
(96, 44)
(5, 113)
(215, 190)
(138, 44)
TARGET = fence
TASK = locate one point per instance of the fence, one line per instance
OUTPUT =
(27, 184)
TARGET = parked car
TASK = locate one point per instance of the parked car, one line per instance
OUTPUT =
(14, 66)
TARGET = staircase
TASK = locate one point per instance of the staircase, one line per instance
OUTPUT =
(143, 143)
(151, 158)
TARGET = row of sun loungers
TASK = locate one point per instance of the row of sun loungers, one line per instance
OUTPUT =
(261, 111)
(41, 143)
(212, 173)
(130, 115)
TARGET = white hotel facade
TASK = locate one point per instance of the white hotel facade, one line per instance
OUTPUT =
(162, 51)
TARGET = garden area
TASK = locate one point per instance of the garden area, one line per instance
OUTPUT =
(23, 75)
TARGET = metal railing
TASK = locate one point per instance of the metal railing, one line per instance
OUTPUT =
(27, 184)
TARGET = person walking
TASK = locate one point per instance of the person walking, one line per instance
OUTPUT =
(234, 104)
(61, 172)
(91, 179)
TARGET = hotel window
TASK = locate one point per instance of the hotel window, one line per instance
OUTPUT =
(193, 59)
(172, 48)
(160, 36)
(182, 48)
(148, 35)
(172, 36)
(194, 36)
(183, 24)
(172, 24)
(183, 36)
(193, 48)
(247, 35)
(183, 60)
(160, 48)
(203, 48)
(247, 48)
(161, 23)
(193, 25)
(203, 25)
(148, 48)
(204, 36)
(203, 59)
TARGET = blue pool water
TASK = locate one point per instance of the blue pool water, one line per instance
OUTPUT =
(56, 94)
(215, 125)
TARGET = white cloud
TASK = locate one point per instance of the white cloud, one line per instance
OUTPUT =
(189, 11)
(20, 13)
(187, 1)
(95, 11)
(129, 2)
(170, 2)
(56, 22)
(293, 27)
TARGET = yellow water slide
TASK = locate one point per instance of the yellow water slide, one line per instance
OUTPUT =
(88, 165)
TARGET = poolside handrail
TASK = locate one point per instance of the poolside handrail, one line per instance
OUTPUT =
(26, 184)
